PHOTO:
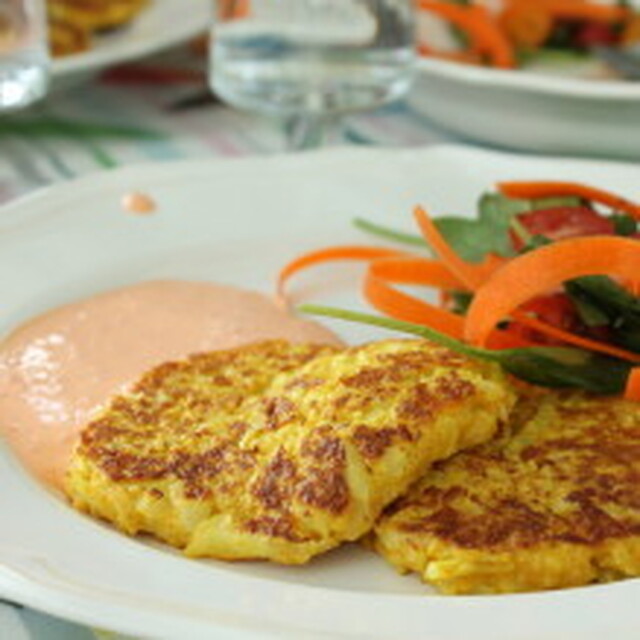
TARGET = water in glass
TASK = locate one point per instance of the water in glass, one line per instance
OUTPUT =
(288, 57)
(24, 56)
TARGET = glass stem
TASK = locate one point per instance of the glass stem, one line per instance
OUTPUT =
(311, 131)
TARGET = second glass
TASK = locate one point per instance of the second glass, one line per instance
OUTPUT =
(24, 54)
(306, 59)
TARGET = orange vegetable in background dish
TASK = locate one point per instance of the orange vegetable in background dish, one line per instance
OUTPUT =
(527, 24)
(583, 10)
(485, 38)
(521, 32)
(631, 31)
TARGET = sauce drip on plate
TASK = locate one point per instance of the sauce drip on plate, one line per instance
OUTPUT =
(59, 368)
(139, 203)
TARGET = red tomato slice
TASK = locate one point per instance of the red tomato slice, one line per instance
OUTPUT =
(555, 309)
(595, 33)
(558, 223)
(558, 310)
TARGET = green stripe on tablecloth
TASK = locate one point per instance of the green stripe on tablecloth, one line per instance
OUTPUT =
(55, 161)
(99, 154)
(22, 162)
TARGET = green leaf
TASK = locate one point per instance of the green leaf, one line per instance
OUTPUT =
(468, 238)
(621, 309)
(589, 313)
(396, 325)
(515, 206)
(390, 234)
(561, 54)
(57, 127)
(560, 368)
(460, 301)
(535, 242)
(472, 240)
(624, 225)
(553, 367)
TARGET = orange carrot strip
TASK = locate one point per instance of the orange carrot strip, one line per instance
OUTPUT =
(243, 9)
(420, 271)
(631, 31)
(505, 339)
(470, 275)
(632, 390)
(461, 269)
(543, 269)
(234, 9)
(526, 24)
(468, 57)
(490, 263)
(482, 30)
(425, 272)
(634, 288)
(402, 306)
(331, 254)
(573, 339)
(544, 189)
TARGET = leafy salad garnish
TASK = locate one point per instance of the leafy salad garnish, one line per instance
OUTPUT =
(546, 366)
(544, 281)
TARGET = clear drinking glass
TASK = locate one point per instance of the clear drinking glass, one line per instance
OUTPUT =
(311, 60)
(24, 53)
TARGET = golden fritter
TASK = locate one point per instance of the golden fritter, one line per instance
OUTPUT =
(280, 452)
(96, 15)
(555, 504)
(65, 38)
(72, 23)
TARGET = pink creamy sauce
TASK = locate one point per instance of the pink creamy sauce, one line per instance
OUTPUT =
(59, 368)
(139, 203)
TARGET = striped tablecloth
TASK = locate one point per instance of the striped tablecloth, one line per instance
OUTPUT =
(77, 130)
(151, 112)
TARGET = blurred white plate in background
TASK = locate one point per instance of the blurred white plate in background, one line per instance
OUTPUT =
(555, 107)
(163, 24)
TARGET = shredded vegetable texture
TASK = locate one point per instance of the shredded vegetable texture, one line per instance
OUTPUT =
(543, 281)
(521, 32)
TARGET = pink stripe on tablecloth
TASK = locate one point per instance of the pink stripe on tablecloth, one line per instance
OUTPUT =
(226, 145)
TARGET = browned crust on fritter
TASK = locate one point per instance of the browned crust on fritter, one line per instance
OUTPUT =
(573, 475)
(121, 443)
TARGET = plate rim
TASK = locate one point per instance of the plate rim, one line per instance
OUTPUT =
(486, 77)
(101, 178)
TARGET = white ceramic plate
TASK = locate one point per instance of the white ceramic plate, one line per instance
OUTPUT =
(531, 111)
(236, 222)
(163, 24)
